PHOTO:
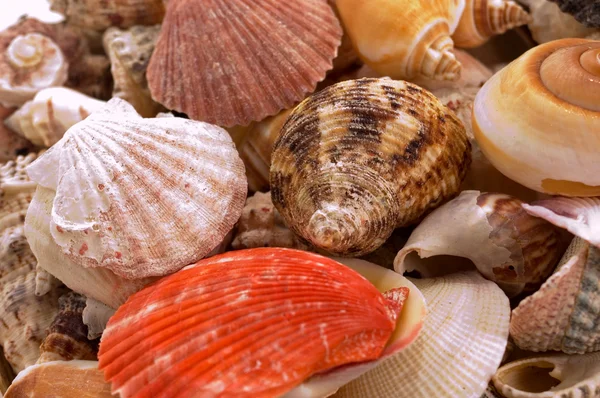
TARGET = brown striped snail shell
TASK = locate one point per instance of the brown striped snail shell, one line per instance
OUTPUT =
(363, 157)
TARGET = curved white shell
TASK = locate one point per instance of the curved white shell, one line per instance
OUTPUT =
(549, 23)
(141, 197)
(95, 317)
(550, 376)
(45, 119)
(459, 349)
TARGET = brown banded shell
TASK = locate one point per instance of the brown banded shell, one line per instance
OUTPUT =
(363, 157)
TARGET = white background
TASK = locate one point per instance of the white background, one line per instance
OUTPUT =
(11, 10)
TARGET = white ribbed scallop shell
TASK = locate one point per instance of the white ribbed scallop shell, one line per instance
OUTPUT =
(459, 349)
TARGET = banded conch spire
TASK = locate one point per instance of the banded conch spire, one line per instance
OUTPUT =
(483, 19)
(29, 63)
(363, 157)
(516, 113)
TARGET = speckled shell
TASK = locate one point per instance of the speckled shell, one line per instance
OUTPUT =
(250, 309)
(129, 52)
(148, 197)
(549, 23)
(102, 14)
(553, 83)
(404, 38)
(45, 119)
(458, 350)
(508, 246)
(550, 376)
(256, 57)
(11, 144)
(363, 157)
(585, 11)
(67, 337)
(72, 379)
(561, 316)
(483, 19)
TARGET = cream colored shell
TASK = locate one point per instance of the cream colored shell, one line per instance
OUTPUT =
(538, 119)
(549, 23)
(45, 119)
(30, 63)
(459, 348)
(95, 317)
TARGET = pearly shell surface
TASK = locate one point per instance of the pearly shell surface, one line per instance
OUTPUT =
(363, 157)
(140, 197)
(45, 119)
(556, 82)
(458, 350)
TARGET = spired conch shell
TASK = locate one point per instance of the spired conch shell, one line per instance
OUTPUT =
(137, 197)
(508, 246)
(256, 57)
(250, 309)
(67, 337)
(554, 83)
(561, 315)
(458, 350)
(580, 216)
(129, 52)
(29, 63)
(404, 39)
(45, 119)
(363, 157)
(72, 379)
(101, 14)
(585, 11)
(550, 376)
(483, 19)
(549, 23)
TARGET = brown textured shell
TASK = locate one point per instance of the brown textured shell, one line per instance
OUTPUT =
(256, 57)
(362, 157)
(67, 335)
(6, 373)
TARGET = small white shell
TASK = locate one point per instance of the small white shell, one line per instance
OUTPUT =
(30, 63)
(95, 317)
(45, 119)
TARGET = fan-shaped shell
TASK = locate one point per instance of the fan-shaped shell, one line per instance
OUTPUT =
(256, 57)
(507, 245)
(585, 11)
(550, 376)
(141, 197)
(102, 14)
(563, 315)
(363, 157)
(72, 379)
(516, 111)
(266, 318)
(458, 350)
(404, 39)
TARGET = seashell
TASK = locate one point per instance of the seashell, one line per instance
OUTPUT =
(95, 317)
(45, 119)
(549, 23)
(16, 258)
(289, 57)
(580, 216)
(404, 39)
(507, 245)
(550, 376)
(361, 158)
(67, 335)
(256, 146)
(90, 75)
(44, 281)
(562, 316)
(458, 350)
(11, 144)
(273, 294)
(14, 179)
(6, 373)
(593, 36)
(25, 318)
(585, 11)
(152, 195)
(73, 379)
(483, 19)
(261, 225)
(102, 14)
(129, 52)
(528, 149)
(29, 63)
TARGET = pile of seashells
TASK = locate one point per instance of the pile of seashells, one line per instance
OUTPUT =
(306, 198)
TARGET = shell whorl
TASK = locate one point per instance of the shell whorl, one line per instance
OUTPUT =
(362, 157)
